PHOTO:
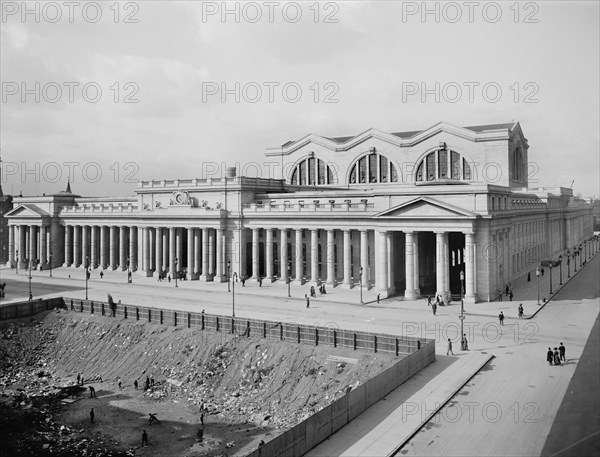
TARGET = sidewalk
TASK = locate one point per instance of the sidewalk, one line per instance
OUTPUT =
(386, 426)
(524, 292)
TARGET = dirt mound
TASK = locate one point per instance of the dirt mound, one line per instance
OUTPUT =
(247, 387)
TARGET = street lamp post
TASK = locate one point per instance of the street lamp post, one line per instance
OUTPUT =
(176, 271)
(462, 308)
(550, 266)
(360, 273)
(233, 295)
(568, 264)
(537, 273)
(129, 275)
(87, 276)
(289, 279)
(30, 295)
(575, 259)
(580, 256)
(560, 265)
(228, 275)
(17, 260)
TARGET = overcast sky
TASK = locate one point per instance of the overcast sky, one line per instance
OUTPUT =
(329, 68)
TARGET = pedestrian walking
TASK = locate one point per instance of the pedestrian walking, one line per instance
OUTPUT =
(562, 350)
(152, 419)
(135, 384)
(144, 438)
(528, 277)
(521, 310)
(202, 418)
(510, 296)
(542, 272)
(378, 298)
(449, 351)
(556, 357)
(259, 282)
(78, 378)
(429, 300)
(501, 318)
(92, 392)
(506, 290)
(465, 342)
(549, 356)
(82, 379)
(243, 281)
(92, 415)
(101, 274)
(307, 301)
(434, 307)
(169, 278)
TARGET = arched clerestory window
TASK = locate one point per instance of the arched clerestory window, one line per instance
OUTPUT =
(443, 164)
(373, 168)
(311, 172)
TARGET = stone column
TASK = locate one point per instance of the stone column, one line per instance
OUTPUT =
(165, 251)
(330, 258)
(283, 263)
(211, 252)
(122, 248)
(314, 257)
(382, 264)
(85, 245)
(269, 255)
(76, 246)
(133, 242)
(146, 268)
(158, 254)
(151, 237)
(67, 245)
(93, 247)
(410, 293)
(219, 254)
(42, 244)
(197, 247)
(364, 254)
(439, 264)
(347, 260)
(470, 251)
(172, 252)
(102, 247)
(178, 246)
(416, 258)
(390, 263)
(190, 253)
(446, 265)
(255, 259)
(298, 254)
(11, 246)
(205, 246)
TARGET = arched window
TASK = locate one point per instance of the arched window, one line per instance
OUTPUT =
(443, 164)
(311, 172)
(373, 168)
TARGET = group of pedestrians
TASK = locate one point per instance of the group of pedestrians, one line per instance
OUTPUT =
(556, 356)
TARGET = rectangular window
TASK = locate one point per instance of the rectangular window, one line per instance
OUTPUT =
(431, 167)
(321, 167)
(311, 172)
(443, 164)
(466, 171)
(372, 167)
(454, 165)
(383, 166)
(302, 172)
(362, 170)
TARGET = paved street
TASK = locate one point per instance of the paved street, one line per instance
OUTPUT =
(511, 404)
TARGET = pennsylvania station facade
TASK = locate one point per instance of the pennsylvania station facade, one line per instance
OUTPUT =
(446, 210)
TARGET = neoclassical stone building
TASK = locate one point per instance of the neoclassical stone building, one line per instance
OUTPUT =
(405, 213)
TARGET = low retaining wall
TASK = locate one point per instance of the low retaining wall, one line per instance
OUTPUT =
(306, 435)
(29, 308)
(302, 334)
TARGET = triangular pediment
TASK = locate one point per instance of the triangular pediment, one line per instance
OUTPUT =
(425, 208)
(27, 211)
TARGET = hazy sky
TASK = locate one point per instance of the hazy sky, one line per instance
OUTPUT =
(330, 68)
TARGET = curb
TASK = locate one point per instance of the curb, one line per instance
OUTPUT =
(450, 397)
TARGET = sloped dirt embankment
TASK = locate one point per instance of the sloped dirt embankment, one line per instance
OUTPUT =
(251, 389)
